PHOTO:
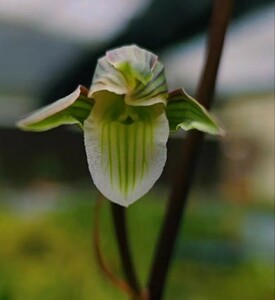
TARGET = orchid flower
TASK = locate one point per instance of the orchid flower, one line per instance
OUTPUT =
(126, 117)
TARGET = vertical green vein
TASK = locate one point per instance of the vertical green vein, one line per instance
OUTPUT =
(126, 151)
(134, 149)
(110, 158)
(144, 137)
(122, 157)
(151, 135)
(118, 155)
(102, 136)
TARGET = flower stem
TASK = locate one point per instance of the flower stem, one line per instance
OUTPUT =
(122, 285)
(190, 149)
(119, 219)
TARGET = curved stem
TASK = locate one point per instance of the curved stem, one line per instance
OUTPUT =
(123, 286)
(190, 149)
(119, 219)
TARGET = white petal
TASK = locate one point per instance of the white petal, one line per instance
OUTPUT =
(107, 78)
(153, 92)
(140, 61)
(72, 109)
(133, 72)
(52, 108)
(126, 160)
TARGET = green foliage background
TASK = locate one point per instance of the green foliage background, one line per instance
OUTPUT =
(48, 255)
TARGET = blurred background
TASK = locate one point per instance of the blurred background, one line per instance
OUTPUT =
(225, 248)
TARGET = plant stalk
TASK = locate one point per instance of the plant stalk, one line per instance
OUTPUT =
(190, 148)
(119, 220)
(121, 284)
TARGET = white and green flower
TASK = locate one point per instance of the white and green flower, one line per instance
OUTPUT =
(126, 117)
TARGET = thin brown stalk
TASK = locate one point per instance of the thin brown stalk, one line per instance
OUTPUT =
(190, 149)
(122, 285)
(120, 226)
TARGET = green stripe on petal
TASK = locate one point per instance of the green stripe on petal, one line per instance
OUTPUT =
(133, 62)
(72, 109)
(125, 159)
(154, 92)
(133, 72)
(185, 112)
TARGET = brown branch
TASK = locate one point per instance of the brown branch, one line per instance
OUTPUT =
(122, 285)
(119, 220)
(190, 149)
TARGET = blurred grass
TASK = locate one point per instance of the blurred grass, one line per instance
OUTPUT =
(48, 255)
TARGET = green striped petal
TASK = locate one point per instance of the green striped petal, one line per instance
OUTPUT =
(72, 109)
(155, 91)
(133, 62)
(185, 112)
(125, 146)
(107, 78)
(133, 72)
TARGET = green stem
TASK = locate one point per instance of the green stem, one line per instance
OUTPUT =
(190, 149)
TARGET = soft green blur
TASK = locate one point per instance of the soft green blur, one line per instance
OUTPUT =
(48, 253)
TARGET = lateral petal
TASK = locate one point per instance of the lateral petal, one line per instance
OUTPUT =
(185, 112)
(72, 109)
